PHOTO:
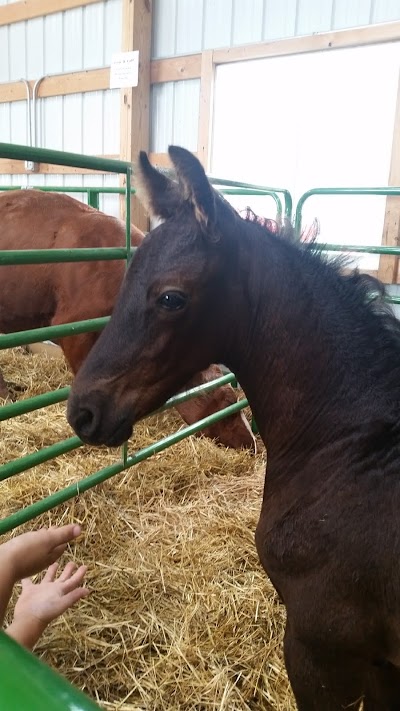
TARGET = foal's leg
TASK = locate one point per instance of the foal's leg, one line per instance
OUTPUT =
(383, 689)
(322, 686)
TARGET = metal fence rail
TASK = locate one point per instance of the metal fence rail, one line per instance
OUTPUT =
(354, 248)
(93, 192)
(385, 191)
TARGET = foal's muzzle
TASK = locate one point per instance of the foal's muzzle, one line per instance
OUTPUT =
(96, 419)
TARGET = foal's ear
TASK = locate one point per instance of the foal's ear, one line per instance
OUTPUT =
(158, 194)
(195, 185)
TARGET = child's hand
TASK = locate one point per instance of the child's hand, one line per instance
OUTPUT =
(40, 603)
(49, 598)
(32, 552)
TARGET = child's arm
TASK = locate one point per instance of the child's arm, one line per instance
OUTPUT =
(28, 554)
(42, 602)
(6, 585)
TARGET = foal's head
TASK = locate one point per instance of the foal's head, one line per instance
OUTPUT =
(168, 322)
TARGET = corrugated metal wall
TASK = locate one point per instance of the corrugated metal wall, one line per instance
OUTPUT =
(85, 38)
(188, 26)
(74, 40)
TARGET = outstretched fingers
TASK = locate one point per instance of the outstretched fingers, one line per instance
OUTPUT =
(73, 579)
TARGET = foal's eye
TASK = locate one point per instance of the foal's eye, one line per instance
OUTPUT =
(172, 300)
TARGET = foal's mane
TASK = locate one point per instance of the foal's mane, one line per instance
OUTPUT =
(363, 292)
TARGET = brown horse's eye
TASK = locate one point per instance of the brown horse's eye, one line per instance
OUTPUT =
(172, 300)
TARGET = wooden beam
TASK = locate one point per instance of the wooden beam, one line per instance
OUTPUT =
(176, 68)
(371, 34)
(28, 9)
(99, 79)
(135, 102)
(388, 266)
(190, 66)
(17, 167)
(161, 160)
(59, 85)
(206, 108)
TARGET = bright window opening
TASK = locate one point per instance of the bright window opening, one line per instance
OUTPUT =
(323, 119)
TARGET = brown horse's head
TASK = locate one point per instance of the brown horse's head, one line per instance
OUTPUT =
(168, 320)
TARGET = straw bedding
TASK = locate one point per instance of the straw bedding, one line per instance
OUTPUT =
(181, 615)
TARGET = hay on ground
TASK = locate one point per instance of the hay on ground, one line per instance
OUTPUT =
(181, 615)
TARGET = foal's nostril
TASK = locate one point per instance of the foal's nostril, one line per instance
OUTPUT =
(85, 421)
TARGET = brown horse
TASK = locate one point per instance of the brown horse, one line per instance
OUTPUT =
(32, 296)
(320, 363)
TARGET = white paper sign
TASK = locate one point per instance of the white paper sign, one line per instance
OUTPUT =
(124, 70)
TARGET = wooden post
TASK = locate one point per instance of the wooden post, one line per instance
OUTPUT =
(388, 266)
(206, 108)
(135, 102)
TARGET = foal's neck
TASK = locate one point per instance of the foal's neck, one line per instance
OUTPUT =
(288, 353)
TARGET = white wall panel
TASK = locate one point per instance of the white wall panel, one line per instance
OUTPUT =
(72, 128)
(34, 48)
(217, 27)
(189, 26)
(4, 54)
(93, 180)
(279, 19)
(164, 28)
(112, 29)
(313, 16)
(351, 14)
(174, 115)
(88, 122)
(247, 21)
(385, 10)
(74, 181)
(92, 123)
(161, 111)
(110, 203)
(18, 133)
(73, 40)
(5, 123)
(17, 51)
(111, 122)
(35, 179)
(50, 124)
(55, 179)
(186, 113)
(93, 36)
(53, 43)
(82, 38)
(18, 180)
